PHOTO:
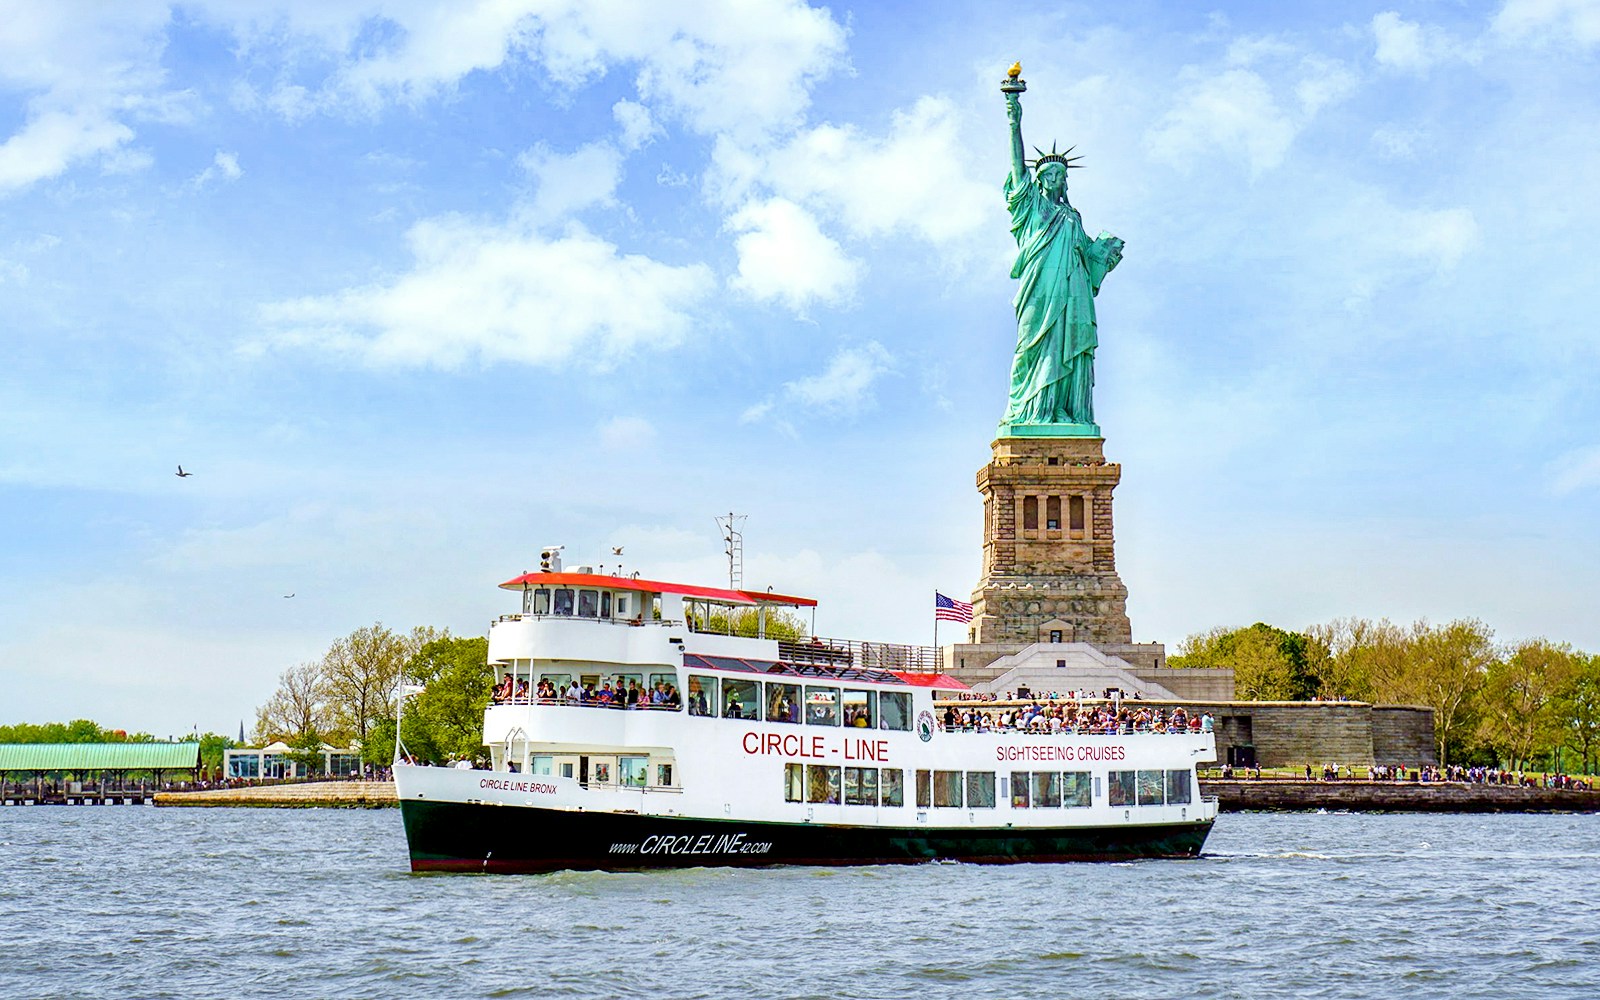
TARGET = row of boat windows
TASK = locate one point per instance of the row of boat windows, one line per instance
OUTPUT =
(812, 704)
(631, 771)
(579, 603)
(870, 786)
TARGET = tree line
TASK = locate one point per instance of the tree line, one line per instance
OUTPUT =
(88, 731)
(1529, 705)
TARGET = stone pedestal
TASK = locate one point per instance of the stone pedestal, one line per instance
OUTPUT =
(1049, 561)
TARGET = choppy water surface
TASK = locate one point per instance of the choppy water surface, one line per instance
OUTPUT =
(131, 902)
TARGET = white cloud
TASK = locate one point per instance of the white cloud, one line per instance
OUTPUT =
(912, 178)
(1558, 21)
(626, 434)
(1411, 47)
(83, 76)
(638, 126)
(1231, 112)
(571, 182)
(847, 381)
(502, 293)
(1575, 471)
(224, 165)
(785, 256)
(1439, 237)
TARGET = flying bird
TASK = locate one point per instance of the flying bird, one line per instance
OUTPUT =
(182, 474)
(616, 550)
(287, 596)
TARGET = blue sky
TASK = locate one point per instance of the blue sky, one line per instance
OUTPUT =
(415, 289)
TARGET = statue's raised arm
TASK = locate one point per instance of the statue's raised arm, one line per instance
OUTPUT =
(1059, 269)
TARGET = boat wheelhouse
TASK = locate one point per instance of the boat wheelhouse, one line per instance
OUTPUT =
(630, 731)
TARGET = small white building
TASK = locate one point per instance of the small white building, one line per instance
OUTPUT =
(274, 761)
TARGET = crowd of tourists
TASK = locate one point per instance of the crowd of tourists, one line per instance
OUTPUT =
(1070, 717)
(606, 693)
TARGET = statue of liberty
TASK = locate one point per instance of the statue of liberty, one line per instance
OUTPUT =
(1060, 269)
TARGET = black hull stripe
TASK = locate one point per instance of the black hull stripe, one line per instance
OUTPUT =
(468, 837)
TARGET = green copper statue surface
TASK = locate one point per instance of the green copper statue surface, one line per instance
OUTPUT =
(1060, 269)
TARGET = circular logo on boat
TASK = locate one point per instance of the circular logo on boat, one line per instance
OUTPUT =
(925, 725)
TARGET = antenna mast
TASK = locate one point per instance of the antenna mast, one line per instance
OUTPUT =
(733, 545)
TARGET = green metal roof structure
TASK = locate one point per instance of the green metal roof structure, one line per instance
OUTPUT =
(77, 757)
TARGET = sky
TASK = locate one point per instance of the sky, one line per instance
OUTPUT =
(415, 289)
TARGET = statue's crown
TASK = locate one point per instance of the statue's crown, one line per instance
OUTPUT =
(1068, 162)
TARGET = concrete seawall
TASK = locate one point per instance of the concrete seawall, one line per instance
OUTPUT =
(312, 794)
(1279, 795)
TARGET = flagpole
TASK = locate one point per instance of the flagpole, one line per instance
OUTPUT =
(936, 626)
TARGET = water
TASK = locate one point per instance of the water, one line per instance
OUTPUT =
(129, 902)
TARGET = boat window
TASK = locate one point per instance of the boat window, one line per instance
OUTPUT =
(566, 769)
(702, 695)
(1019, 789)
(633, 772)
(741, 699)
(664, 685)
(894, 710)
(822, 784)
(623, 680)
(822, 706)
(980, 789)
(1150, 785)
(1119, 788)
(1046, 790)
(783, 703)
(892, 787)
(794, 783)
(602, 772)
(861, 709)
(541, 601)
(558, 681)
(563, 601)
(1075, 789)
(860, 786)
(605, 604)
(664, 775)
(1177, 788)
(924, 789)
(622, 606)
(542, 764)
(947, 789)
(588, 603)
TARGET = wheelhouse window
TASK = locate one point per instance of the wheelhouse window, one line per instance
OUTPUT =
(1177, 788)
(605, 604)
(783, 703)
(822, 706)
(622, 606)
(891, 787)
(741, 699)
(822, 784)
(1120, 788)
(703, 699)
(980, 789)
(563, 601)
(794, 783)
(860, 709)
(541, 601)
(1019, 789)
(588, 603)
(894, 708)
(1075, 789)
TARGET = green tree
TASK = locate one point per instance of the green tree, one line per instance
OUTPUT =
(359, 673)
(1520, 700)
(1361, 657)
(1269, 664)
(781, 624)
(305, 749)
(1445, 668)
(1578, 710)
(211, 748)
(378, 750)
(445, 721)
(299, 706)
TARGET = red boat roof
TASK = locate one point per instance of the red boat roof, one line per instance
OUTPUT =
(939, 681)
(598, 581)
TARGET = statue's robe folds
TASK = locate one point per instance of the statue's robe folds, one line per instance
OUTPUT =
(1052, 374)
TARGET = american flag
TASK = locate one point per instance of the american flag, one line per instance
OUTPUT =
(949, 609)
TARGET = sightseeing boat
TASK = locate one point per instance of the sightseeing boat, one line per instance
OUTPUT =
(630, 735)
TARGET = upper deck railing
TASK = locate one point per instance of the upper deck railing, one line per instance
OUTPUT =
(864, 655)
